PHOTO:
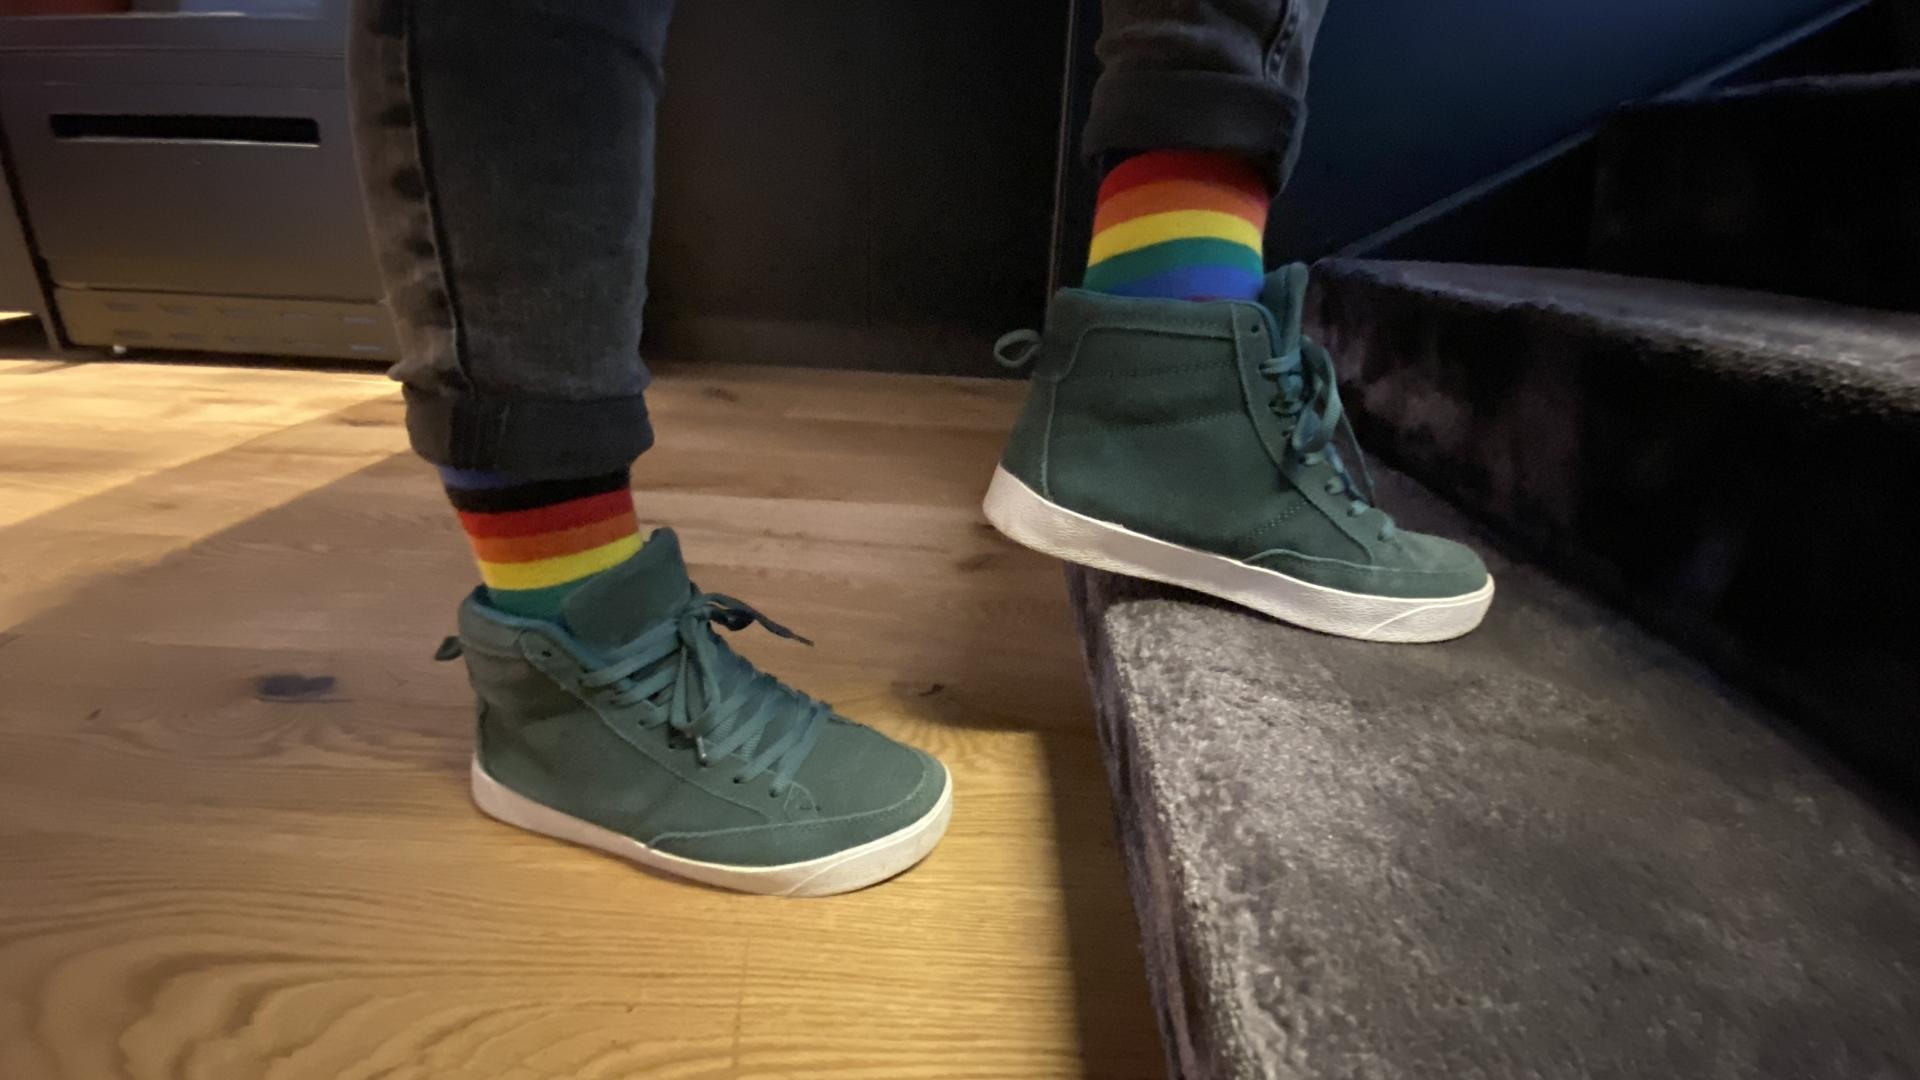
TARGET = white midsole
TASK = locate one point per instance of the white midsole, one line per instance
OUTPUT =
(1029, 519)
(842, 871)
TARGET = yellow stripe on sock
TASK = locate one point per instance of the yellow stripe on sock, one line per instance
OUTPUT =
(546, 573)
(1172, 225)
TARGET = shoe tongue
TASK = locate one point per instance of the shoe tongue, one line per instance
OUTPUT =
(1285, 295)
(617, 605)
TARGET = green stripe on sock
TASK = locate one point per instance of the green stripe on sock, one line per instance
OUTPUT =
(532, 603)
(1159, 258)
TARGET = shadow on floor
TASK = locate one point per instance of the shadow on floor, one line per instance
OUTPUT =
(293, 640)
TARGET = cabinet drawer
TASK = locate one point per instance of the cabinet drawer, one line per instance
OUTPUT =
(235, 190)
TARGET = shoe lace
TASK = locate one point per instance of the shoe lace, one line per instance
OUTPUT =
(1308, 399)
(704, 691)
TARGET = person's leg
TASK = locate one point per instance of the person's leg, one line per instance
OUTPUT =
(506, 152)
(512, 234)
(1180, 427)
(1197, 116)
(1228, 76)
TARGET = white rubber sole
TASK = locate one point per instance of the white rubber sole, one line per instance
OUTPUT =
(844, 871)
(1028, 519)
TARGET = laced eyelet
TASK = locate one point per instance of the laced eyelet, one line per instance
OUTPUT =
(685, 658)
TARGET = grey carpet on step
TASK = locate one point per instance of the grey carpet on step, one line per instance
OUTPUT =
(1554, 848)
(1806, 187)
(1733, 467)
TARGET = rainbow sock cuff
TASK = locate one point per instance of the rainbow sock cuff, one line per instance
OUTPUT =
(1184, 224)
(537, 541)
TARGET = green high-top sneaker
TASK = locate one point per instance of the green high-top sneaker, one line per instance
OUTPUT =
(1192, 443)
(637, 731)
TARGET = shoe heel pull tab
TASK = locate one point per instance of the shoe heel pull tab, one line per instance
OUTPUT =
(1016, 349)
(450, 649)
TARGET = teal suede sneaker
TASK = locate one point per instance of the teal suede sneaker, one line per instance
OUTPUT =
(636, 730)
(1192, 443)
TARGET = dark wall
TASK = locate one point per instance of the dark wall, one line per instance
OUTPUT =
(869, 183)
(863, 183)
(1412, 100)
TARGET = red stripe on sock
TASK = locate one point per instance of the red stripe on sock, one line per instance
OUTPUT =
(545, 519)
(1210, 166)
(549, 545)
(1164, 195)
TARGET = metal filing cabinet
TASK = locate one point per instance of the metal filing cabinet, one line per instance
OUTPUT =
(187, 179)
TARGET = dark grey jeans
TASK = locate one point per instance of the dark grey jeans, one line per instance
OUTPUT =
(506, 150)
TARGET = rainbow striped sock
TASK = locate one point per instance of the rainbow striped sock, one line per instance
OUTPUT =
(1182, 224)
(538, 540)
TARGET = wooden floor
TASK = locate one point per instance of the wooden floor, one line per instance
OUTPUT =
(235, 840)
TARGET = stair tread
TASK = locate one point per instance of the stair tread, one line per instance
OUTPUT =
(1725, 465)
(1799, 186)
(1880, 345)
(1554, 847)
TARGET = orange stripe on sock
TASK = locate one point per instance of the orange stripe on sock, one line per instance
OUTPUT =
(1166, 195)
(513, 549)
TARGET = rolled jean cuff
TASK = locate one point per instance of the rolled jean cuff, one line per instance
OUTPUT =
(539, 438)
(1196, 110)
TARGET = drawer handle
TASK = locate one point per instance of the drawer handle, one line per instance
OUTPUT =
(125, 127)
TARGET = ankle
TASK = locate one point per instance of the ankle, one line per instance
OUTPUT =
(1179, 224)
(536, 541)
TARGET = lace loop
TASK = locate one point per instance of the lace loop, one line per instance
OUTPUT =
(1307, 394)
(1016, 349)
(703, 691)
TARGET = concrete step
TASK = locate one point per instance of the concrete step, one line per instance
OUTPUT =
(1556, 847)
(1802, 186)
(1733, 468)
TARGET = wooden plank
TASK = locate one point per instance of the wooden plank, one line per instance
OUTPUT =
(75, 430)
(234, 835)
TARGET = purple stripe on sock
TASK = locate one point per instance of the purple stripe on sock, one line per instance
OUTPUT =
(1194, 283)
(474, 479)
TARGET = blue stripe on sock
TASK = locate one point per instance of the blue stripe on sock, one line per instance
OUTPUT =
(1170, 255)
(1188, 282)
(474, 479)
